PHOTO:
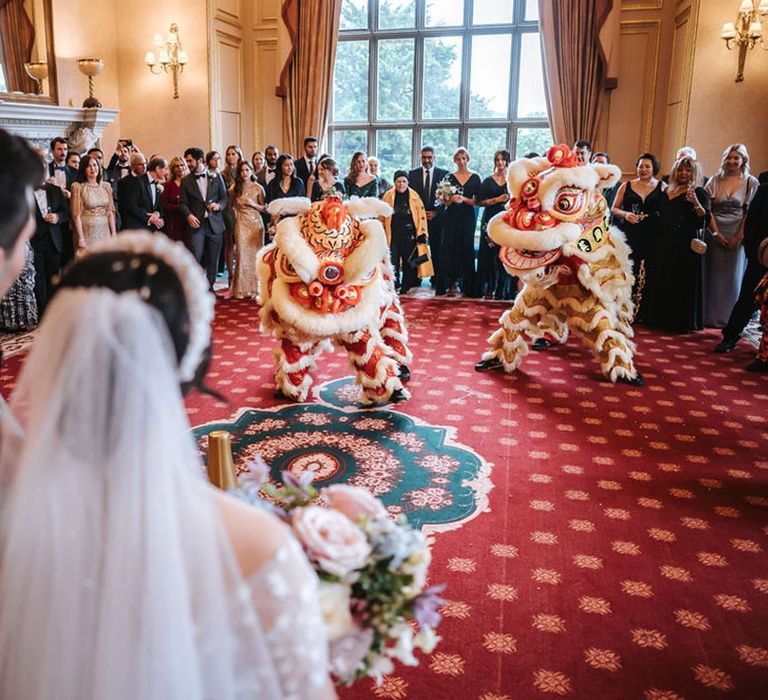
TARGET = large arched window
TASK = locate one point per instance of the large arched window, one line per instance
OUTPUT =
(439, 72)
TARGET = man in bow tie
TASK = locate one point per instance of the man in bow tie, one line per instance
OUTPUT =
(120, 164)
(306, 166)
(62, 176)
(58, 171)
(268, 172)
(203, 198)
(143, 208)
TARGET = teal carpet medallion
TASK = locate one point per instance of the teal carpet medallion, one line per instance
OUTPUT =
(415, 468)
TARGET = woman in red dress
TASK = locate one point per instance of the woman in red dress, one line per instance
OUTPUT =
(174, 219)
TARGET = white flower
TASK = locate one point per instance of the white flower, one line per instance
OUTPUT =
(346, 654)
(334, 607)
(403, 649)
(426, 640)
(381, 666)
(416, 565)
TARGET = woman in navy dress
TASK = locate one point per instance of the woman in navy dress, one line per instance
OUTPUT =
(492, 278)
(458, 249)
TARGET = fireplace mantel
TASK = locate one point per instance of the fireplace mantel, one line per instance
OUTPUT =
(40, 123)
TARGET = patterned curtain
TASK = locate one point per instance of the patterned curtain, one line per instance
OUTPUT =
(307, 76)
(575, 68)
(15, 23)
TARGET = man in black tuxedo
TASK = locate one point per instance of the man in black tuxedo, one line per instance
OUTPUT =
(424, 181)
(269, 171)
(203, 198)
(59, 173)
(120, 163)
(126, 185)
(306, 166)
(51, 229)
(143, 208)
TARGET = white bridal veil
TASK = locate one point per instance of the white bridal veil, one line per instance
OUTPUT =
(116, 580)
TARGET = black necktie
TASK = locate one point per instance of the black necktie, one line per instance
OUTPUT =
(311, 166)
(199, 175)
(59, 167)
(428, 186)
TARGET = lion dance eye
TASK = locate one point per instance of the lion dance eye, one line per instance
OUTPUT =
(530, 188)
(569, 201)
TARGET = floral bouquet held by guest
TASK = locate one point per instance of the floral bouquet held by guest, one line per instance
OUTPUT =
(444, 191)
(372, 572)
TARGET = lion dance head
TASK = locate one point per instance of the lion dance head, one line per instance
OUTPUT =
(556, 211)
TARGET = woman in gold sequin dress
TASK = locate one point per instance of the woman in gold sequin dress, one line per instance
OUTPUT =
(246, 198)
(93, 209)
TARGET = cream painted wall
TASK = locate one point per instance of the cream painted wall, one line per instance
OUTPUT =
(121, 33)
(723, 111)
(86, 30)
(149, 114)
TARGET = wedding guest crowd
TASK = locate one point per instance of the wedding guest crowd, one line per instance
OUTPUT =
(688, 244)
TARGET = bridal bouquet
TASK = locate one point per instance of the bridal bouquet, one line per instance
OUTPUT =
(373, 595)
(444, 191)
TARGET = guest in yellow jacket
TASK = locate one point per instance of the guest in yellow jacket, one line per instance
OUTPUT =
(407, 234)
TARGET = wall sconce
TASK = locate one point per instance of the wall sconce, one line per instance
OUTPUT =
(91, 67)
(746, 32)
(38, 71)
(170, 57)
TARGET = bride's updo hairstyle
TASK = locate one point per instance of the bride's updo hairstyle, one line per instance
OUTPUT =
(165, 275)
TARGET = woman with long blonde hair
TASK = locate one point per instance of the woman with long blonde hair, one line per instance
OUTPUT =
(731, 192)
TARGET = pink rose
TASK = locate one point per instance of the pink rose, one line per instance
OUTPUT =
(354, 502)
(337, 545)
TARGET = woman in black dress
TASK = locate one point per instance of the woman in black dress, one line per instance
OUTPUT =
(636, 211)
(286, 184)
(674, 296)
(327, 180)
(492, 278)
(458, 247)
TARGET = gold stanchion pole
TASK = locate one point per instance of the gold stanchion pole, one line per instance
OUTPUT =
(221, 467)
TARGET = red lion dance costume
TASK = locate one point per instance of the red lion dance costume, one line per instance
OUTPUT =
(326, 279)
(576, 271)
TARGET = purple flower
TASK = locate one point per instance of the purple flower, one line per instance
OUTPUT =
(425, 606)
(300, 483)
(257, 472)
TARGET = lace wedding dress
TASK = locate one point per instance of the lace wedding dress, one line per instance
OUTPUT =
(117, 576)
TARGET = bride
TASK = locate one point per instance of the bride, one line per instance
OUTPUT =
(123, 574)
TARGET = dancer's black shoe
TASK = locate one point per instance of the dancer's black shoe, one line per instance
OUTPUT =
(488, 365)
(637, 380)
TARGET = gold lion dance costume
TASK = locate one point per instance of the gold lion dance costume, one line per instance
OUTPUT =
(554, 236)
(327, 280)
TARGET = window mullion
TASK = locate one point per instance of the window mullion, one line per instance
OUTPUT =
(514, 74)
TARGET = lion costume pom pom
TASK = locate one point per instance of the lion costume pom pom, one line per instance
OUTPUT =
(576, 272)
(327, 280)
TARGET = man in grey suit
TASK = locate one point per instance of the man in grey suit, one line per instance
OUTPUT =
(203, 199)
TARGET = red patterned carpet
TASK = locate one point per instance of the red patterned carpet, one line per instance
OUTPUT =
(622, 551)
